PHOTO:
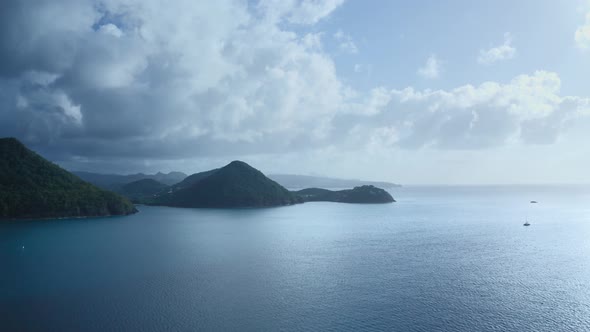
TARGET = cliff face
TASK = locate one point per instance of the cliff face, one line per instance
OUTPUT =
(32, 187)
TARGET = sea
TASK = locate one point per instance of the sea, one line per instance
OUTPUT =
(439, 259)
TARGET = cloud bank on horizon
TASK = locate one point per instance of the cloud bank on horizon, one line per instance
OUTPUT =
(102, 83)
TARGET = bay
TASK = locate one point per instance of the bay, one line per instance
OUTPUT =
(440, 259)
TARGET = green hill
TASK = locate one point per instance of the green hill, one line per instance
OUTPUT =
(142, 191)
(235, 185)
(192, 179)
(32, 187)
(361, 194)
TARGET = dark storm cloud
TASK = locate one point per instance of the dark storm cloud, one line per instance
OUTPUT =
(40, 35)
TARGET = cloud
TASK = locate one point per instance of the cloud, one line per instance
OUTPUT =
(431, 69)
(131, 77)
(363, 68)
(111, 29)
(346, 43)
(582, 34)
(529, 110)
(304, 12)
(134, 82)
(498, 53)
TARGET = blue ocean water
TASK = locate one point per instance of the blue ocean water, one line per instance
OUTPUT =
(440, 259)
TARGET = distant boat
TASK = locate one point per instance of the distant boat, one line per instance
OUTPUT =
(534, 202)
(526, 223)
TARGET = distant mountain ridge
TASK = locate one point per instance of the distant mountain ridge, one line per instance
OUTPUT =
(292, 181)
(116, 181)
(33, 187)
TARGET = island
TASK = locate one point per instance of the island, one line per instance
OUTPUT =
(361, 194)
(234, 185)
(33, 187)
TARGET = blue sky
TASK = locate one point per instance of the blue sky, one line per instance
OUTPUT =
(416, 92)
(396, 37)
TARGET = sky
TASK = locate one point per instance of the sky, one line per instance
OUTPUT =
(413, 91)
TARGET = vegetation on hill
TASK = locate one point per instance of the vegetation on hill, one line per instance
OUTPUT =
(240, 185)
(142, 191)
(361, 194)
(235, 185)
(192, 179)
(32, 187)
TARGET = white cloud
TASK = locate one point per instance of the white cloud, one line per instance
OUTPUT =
(345, 42)
(313, 41)
(377, 99)
(363, 68)
(431, 69)
(498, 53)
(528, 109)
(582, 35)
(311, 11)
(111, 29)
(303, 12)
(383, 137)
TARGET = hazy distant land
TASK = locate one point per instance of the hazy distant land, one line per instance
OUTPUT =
(293, 181)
